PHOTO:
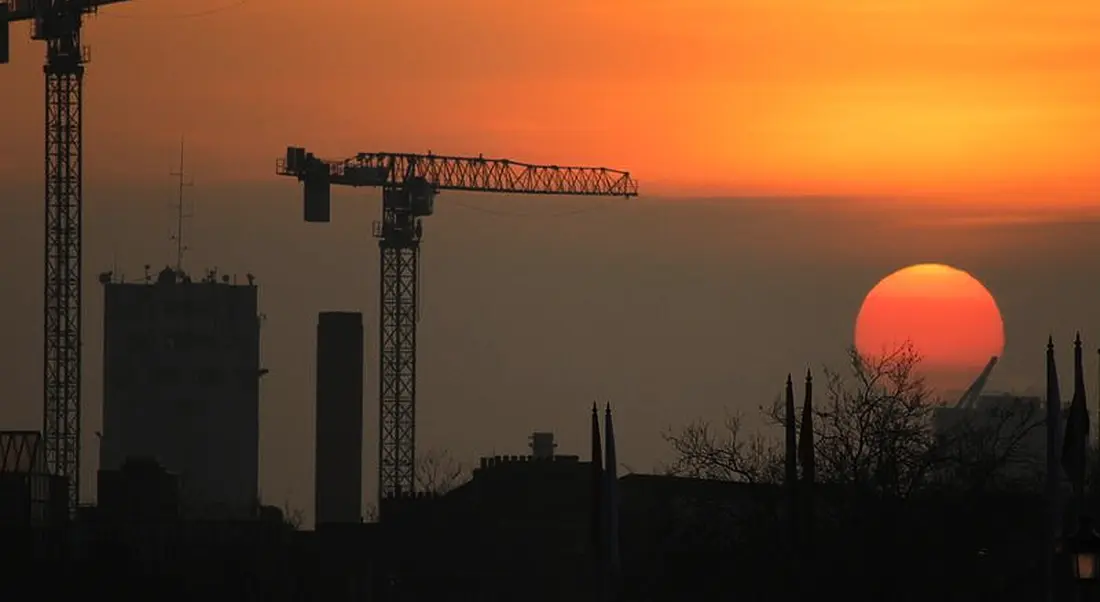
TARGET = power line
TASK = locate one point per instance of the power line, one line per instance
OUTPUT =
(558, 214)
(182, 15)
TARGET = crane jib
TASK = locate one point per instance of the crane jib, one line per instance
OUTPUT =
(457, 173)
(409, 184)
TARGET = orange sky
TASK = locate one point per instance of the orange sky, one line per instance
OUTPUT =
(966, 97)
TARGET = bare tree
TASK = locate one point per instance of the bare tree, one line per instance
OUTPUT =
(725, 454)
(994, 446)
(438, 472)
(873, 430)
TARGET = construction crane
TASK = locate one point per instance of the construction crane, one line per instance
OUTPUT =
(409, 185)
(970, 397)
(58, 24)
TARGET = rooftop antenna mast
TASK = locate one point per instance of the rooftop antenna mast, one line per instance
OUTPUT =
(181, 214)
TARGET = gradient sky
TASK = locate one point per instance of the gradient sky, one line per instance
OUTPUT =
(952, 131)
(980, 97)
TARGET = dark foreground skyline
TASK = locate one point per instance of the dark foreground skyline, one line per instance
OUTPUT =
(563, 527)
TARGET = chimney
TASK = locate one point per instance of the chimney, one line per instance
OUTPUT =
(338, 476)
(542, 446)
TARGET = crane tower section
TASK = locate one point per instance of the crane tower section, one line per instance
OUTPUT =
(58, 24)
(410, 183)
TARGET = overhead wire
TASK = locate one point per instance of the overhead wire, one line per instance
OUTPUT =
(558, 214)
(181, 15)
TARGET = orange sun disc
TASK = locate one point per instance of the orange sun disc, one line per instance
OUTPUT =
(948, 315)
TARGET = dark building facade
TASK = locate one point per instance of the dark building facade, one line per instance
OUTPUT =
(136, 541)
(29, 495)
(181, 385)
(339, 422)
(34, 508)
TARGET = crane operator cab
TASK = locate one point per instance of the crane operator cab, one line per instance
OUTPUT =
(415, 198)
(421, 196)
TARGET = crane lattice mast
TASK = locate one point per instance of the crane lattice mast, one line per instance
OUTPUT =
(409, 184)
(58, 24)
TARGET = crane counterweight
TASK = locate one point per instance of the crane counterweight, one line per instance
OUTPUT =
(409, 184)
(317, 200)
(5, 34)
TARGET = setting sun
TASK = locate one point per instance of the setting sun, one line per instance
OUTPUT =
(948, 315)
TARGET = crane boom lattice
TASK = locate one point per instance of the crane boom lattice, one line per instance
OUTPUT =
(409, 184)
(461, 173)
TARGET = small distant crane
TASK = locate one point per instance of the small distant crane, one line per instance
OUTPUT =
(58, 24)
(970, 398)
(409, 185)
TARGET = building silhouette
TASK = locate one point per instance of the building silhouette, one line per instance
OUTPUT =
(521, 528)
(518, 528)
(181, 385)
(33, 503)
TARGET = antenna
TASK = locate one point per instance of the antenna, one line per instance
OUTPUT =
(183, 182)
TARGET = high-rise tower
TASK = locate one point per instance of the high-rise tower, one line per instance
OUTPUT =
(181, 363)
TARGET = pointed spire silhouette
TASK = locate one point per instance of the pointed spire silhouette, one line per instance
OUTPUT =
(1075, 442)
(790, 458)
(806, 437)
(1079, 383)
(611, 505)
(1053, 415)
(806, 513)
(1053, 475)
(597, 482)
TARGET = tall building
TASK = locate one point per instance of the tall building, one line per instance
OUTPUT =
(181, 371)
(338, 476)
